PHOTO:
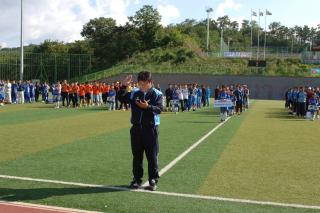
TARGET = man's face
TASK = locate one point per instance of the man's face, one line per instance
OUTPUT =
(144, 85)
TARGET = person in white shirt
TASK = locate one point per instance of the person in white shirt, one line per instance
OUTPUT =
(180, 95)
(8, 92)
(185, 92)
(57, 94)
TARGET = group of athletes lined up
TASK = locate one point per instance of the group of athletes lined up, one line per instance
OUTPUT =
(92, 94)
(237, 94)
(12, 92)
(63, 94)
(179, 97)
(188, 97)
(303, 102)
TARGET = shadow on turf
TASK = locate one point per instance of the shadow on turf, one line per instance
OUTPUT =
(207, 113)
(284, 116)
(50, 106)
(201, 122)
(9, 194)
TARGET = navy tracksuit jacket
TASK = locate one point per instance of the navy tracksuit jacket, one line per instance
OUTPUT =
(144, 131)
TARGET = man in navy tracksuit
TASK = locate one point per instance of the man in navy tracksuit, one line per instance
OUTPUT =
(146, 106)
(239, 97)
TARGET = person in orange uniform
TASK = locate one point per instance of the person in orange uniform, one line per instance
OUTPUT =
(95, 89)
(104, 92)
(70, 92)
(88, 89)
(64, 93)
(75, 91)
(82, 93)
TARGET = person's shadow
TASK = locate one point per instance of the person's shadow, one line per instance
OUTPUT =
(11, 194)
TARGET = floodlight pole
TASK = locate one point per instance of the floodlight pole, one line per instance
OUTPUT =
(208, 28)
(258, 52)
(251, 35)
(265, 35)
(21, 42)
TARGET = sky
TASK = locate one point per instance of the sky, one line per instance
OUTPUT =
(63, 19)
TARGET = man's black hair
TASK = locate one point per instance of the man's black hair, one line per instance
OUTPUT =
(144, 76)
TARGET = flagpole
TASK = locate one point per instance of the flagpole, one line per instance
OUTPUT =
(251, 36)
(21, 43)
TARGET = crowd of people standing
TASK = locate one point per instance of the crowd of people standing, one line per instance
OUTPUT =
(178, 97)
(303, 102)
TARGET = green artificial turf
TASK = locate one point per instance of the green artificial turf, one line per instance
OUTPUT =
(257, 156)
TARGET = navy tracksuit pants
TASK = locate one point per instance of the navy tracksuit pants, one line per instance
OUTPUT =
(145, 139)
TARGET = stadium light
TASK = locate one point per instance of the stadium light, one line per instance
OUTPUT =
(210, 10)
(21, 43)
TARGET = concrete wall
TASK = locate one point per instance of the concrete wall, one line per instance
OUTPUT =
(272, 88)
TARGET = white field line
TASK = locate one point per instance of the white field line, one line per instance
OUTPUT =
(44, 207)
(193, 196)
(182, 155)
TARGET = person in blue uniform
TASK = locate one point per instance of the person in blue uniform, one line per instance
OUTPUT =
(14, 92)
(239, 99)
(223, 95)
(146, 107)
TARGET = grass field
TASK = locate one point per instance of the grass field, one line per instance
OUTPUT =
(264, 155)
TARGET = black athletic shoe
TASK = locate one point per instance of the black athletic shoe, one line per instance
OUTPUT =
(135, 184)
(152, 185)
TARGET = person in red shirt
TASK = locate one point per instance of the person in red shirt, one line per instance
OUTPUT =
(75, 91)
(82, 93)
(70, 92)
(64, 93)
(95, 89)
(88, 89)
(104, 92)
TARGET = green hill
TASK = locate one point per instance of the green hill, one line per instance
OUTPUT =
(189, 61)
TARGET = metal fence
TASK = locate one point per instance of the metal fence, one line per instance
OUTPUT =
(311, 57)
(271, 52)
(51, 67)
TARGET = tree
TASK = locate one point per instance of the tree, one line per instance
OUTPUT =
(234, 25)
(172, 37)
(100, 33)
(147, 21)
(317, 36)
(223, 22)
(49, 46)
(80, 47)
(98, 28)
(126, 41)
(305, 34)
